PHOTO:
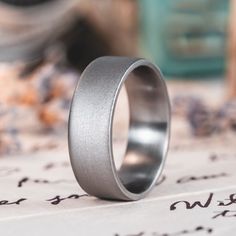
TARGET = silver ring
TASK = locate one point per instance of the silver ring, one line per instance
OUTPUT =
(91, 128)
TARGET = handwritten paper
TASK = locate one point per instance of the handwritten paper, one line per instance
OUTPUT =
(196, 195)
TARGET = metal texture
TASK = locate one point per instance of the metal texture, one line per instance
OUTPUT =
(25, 3)
(91, 123)
(26, 31)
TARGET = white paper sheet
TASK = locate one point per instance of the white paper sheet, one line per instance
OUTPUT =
(39, 196)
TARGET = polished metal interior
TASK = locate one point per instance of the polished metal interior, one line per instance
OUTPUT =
(147, 135)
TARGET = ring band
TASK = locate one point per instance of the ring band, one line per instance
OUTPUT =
(91, 122)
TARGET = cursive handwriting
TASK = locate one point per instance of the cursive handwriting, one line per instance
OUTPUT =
(198, 229)
(54, 201)
(231, 200)
(6, 202)
(58, 199)
(225, 213)
(189, 205)
(24, 180)
(187, 179)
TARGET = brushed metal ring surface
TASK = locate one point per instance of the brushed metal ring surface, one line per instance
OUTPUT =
(90, 128)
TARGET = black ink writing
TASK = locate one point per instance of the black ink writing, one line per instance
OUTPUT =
(136, 234)
(225, 213)
(231, 200)
(58, 199)
(6, 202)
(187, 179)
(194, 204)
(20, 183)
(24, 180)
(198, 229)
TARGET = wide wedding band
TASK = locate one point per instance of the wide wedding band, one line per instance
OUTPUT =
(91, 128)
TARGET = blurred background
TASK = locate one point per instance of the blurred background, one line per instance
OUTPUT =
(46, 44)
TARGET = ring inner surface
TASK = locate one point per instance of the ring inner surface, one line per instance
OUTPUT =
(147, 134)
